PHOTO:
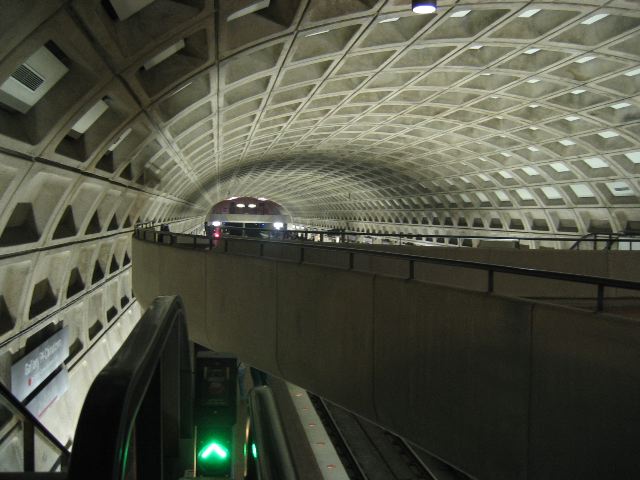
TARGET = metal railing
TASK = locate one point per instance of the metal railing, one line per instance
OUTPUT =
(609, 240)
(222, 244)
(139, 406)
(37, 440)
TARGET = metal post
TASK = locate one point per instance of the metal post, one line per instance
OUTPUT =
(28, 447)
(600, 298)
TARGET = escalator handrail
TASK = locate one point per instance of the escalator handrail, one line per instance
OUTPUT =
(274, 455)
(29, 417)
(103, 434)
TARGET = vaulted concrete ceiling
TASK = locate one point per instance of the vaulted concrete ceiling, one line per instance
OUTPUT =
(500, 115)
(489, 116)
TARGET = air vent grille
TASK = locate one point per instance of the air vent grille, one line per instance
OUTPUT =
(28, 78)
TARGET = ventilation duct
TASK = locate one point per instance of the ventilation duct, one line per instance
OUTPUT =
(32, 80)
(89, 118)
(163, 55)
(126, 8)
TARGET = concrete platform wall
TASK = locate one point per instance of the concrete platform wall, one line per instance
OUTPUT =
(500, 387)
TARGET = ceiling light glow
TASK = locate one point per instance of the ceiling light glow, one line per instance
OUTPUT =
(316, 33)
(618, 106)
(388, 20)
(422, 7)
(594, 18)
(531, 51)
(529, 13)
(460, 13)
(586, 59)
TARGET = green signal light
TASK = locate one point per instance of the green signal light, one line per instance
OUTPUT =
(214, 451)
(254, 450)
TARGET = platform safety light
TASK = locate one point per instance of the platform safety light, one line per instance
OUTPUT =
(254, 451)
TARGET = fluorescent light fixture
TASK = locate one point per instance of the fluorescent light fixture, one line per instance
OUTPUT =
(551, 193)
(502, 196)
(178, 90)
(533, 129)
(529, 13)
(608, 134)
(578, 91)
(524, 194)
(423, 7)
(485, 74)
(253, 8)
(634, 157)
(505, 174)
(586, 59)
(566, 142)
(460, 13)
(505, 154)
(475, 47)
(533, 149)
(581, 190)
(632, 73)
(532, 172)
(252, 205)
(531, 51)
(618, 106)
(620, 189)
(317, 33)
(534, 105)
(232, 198)
(216, 223)
(89, 118)
(262, 199)
(164, 54)
(559, 167)
(571, 118)
(594, 18)
(240, 205)
(389, 20)
(483, 177)
(120, 139)
(533, 80)
(595, 162)
(278, 225)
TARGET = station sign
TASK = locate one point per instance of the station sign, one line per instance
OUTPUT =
(32, 369)
(49, 394)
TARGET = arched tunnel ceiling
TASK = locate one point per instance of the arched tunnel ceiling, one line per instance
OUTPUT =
(507, 114)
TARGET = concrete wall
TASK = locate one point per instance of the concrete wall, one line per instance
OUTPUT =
(500, 387)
